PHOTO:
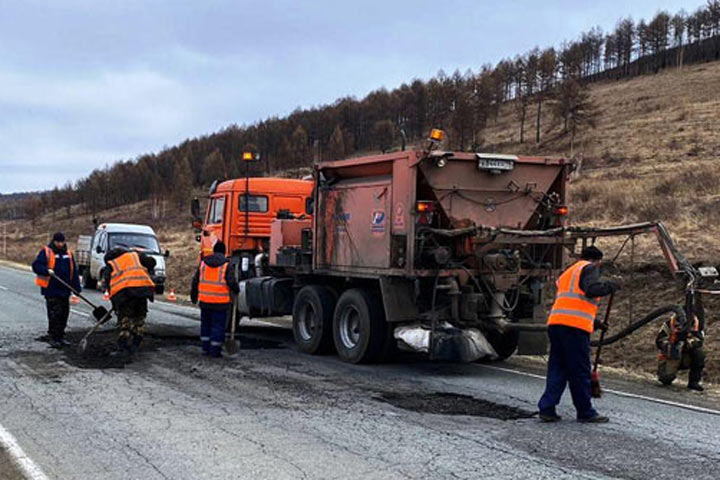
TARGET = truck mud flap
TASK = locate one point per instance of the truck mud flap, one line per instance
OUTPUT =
(398, 296)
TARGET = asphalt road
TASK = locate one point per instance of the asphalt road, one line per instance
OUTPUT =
(272, 412)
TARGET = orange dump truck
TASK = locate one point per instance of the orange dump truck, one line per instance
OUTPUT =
(240, 214)
(441, 252)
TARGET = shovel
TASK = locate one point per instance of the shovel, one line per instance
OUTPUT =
(595, 390)
(98, 312)
(232, 346)
(82, 346)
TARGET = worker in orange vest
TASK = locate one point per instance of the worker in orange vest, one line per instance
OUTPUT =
(681, 349)
(130, 286)
(571, 321)
(57, 259)
(212, 285)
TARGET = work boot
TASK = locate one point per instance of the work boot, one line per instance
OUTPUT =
(55, 344)
(135, 346)
(123, 351)
(695, 386)
(65, 343)
(549, 418)
(597, 418)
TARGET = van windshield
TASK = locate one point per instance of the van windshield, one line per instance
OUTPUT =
(147, 243)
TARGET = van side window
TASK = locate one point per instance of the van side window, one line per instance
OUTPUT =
(216, 210)
(257, 203)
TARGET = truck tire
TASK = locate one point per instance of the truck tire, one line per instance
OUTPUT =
(505, 344)
(87, 281)
(312, 319)
(359, 327)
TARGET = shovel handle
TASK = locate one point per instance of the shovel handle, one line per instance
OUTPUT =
(75, 292)
(602, 333)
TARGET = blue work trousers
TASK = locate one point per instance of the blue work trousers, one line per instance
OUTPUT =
(569, 363)
(212, 330)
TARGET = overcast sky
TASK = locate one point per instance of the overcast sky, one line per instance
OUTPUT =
(87, 83)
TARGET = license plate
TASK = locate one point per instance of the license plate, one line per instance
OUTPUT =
(495, 164)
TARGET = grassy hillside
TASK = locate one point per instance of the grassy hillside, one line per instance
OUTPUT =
(653, 156)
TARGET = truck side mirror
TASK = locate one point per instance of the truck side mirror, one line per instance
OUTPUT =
(166, 254)
(195, 207)
(98, 249)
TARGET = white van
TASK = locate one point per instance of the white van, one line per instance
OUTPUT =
(91, 251)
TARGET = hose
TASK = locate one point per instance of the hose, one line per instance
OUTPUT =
(676, 309)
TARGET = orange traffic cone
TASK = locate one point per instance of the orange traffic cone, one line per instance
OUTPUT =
(74, 299)
(171, 296)
(106, 296)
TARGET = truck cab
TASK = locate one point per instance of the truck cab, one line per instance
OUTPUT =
(92, 251)
(240, 212)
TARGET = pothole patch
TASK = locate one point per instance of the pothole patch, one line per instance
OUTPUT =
(442, 403)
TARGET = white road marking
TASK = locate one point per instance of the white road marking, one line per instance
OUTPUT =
(77, 312)
(3, 288)
(22, 462)
(619, 393)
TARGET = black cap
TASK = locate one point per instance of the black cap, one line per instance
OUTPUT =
(219, 247)
(591, 253)
(58, 237)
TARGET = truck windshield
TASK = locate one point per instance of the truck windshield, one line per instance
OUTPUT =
(257, 203)
(147, 243)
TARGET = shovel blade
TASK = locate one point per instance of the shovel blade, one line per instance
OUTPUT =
(99, 313)
(232, 346)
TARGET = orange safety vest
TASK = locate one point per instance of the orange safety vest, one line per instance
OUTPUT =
(43, 281)
(674, 332)
(212, 287)
(572, 308)
(128, 272)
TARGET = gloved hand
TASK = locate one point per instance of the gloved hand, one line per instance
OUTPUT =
(692, 343)
(599, 325)
(51, 272)
(614, 286)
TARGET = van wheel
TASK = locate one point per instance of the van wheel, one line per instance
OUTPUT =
(87, 282)
(312, 319)
(359, 327)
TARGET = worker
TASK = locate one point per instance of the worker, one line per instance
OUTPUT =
(56, 259)
(207, 242)
(681, 350)
(130, 286)
(571, 321)
(212, 285)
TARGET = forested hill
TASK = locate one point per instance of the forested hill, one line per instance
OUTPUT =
(540, 86)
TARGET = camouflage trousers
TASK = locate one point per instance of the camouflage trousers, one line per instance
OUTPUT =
(693, 360)
(131, 318)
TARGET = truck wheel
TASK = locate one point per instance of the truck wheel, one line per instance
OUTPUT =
(359, 327)
(505, 344)
(312, 319)
(87, 282)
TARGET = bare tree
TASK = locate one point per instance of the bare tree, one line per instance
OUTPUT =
(573, 107)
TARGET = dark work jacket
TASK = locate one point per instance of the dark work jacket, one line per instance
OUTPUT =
(591, 284)
(214, 260)
(146, 261)
(62, 270)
